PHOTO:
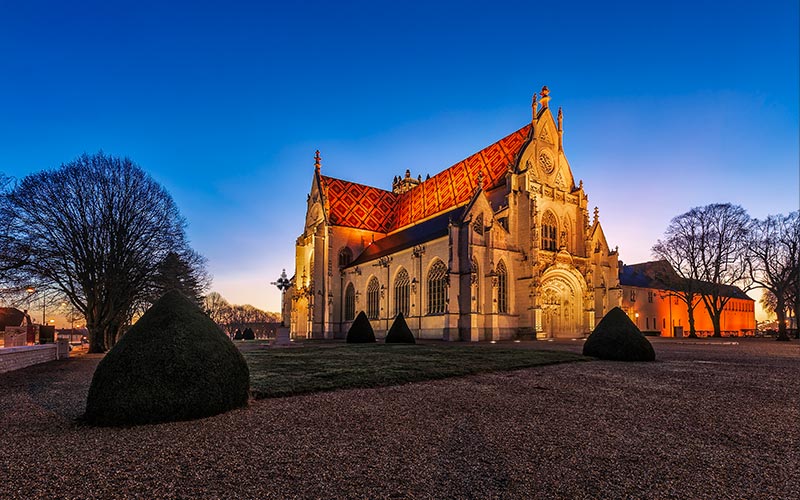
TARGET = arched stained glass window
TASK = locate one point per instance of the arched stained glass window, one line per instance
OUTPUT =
(373, 298)
(401, 293)
(502, 288)
(349, 302)
(437, 282)
(549, 232)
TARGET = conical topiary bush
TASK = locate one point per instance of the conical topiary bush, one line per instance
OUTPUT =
(618, 339)
(248, 334)
(360, 331)
(400, 333)
(173, 364)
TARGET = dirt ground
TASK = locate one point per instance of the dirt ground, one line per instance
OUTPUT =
(709, 419)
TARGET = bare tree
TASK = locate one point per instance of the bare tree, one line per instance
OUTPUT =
(94, 230)
(216, 307)
(680, 248)
(231, 317)
(775, 259)
(707, 246)
(724, 230)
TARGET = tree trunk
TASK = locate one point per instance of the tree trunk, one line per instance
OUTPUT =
(716, 320)
(780, 312)
(96, 341)
(692, 331)
(112, 333)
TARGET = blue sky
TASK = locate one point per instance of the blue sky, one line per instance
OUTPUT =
(666, 105)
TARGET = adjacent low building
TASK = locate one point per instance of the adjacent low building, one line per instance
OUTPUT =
(653, 305)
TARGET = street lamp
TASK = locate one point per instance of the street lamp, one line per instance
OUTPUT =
(283, 284)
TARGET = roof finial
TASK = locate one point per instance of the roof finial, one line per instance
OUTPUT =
(545, 93)
(534, 106)
(480, 180)
(560, 129)
(317, 161)
(596, 214)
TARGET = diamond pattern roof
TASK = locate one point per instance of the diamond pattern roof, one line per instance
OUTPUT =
(364, 207)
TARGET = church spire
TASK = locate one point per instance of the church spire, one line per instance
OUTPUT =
(317, 161)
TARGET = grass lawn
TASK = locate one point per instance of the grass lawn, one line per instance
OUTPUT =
(284, 372)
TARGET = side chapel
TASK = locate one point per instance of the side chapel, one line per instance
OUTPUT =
(500, 245)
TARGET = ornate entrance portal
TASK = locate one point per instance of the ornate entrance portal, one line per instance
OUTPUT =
(561, 303)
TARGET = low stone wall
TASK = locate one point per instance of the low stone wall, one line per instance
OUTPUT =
(14, 358)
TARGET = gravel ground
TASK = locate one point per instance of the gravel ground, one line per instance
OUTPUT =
(708, 420)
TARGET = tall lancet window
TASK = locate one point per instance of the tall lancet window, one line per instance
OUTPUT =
(476, 280)
(549, 232)
(502, 288)
(349, 303)
(401, 293)
(437, 283)
(373, 298)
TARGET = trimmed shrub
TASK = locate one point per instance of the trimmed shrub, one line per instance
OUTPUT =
(248, 334)
(237, 335)
(618, 339)
(173, 364)
(400, 333)
(360, 331)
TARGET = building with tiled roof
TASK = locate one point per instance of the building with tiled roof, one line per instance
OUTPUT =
(651, 300)
(499, 245)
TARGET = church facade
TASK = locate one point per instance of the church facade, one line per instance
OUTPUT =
(498, 246)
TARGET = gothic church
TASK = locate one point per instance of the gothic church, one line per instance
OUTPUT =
(498, 246)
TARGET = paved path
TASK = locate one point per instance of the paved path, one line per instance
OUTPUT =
(708, 420)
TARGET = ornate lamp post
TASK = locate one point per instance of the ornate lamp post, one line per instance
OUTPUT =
(283, 284)
(282, 338)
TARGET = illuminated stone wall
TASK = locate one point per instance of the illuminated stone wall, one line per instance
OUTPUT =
(654, 310)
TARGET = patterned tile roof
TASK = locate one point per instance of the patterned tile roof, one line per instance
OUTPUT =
(456, 185)
(364, 207)
(356, 205)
